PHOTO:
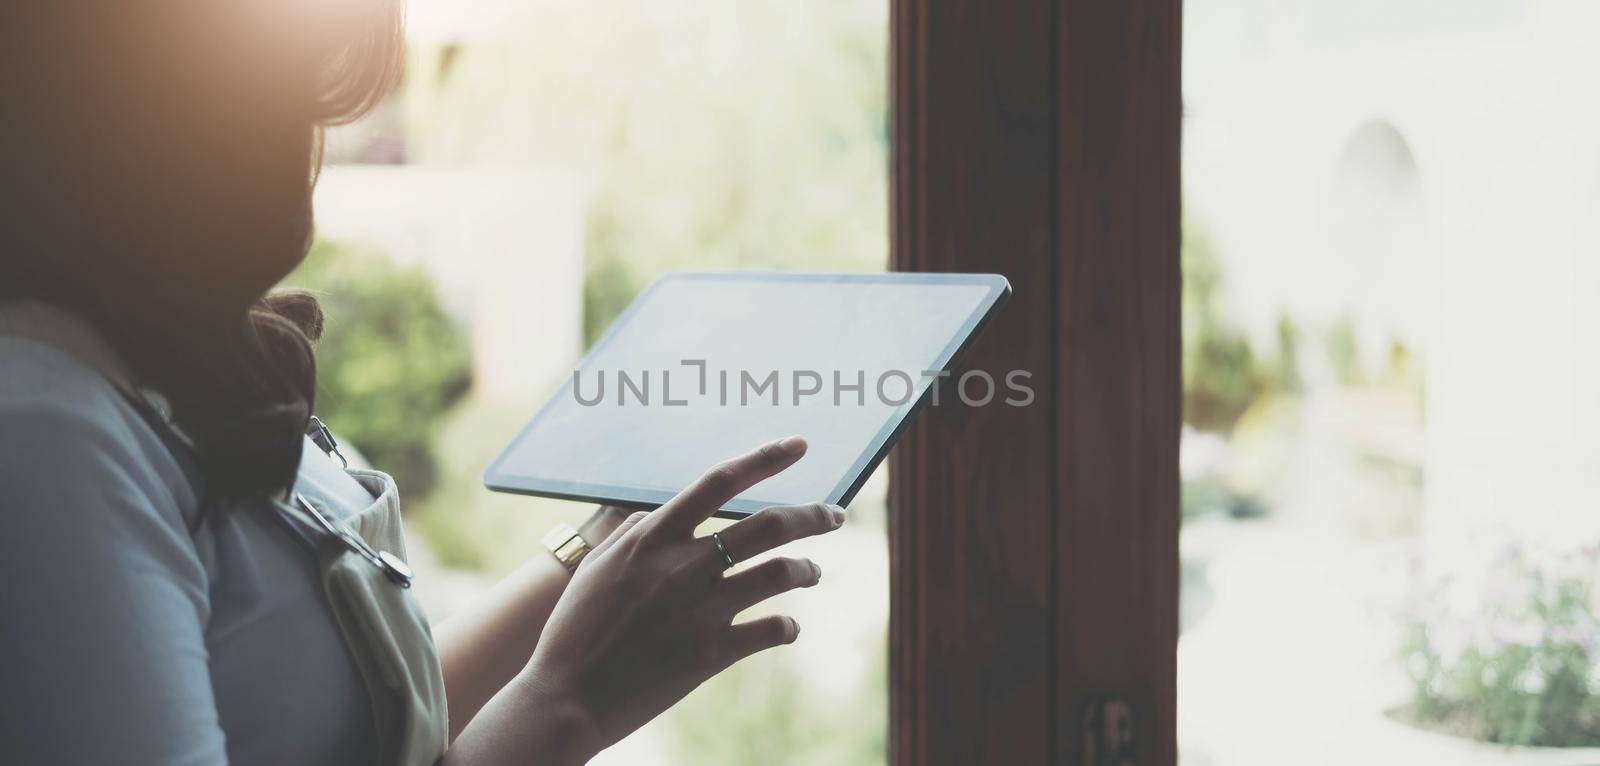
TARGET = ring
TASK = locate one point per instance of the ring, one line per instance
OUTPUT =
(716, 537)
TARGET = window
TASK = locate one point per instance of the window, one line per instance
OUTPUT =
(1388, 555)
(541, 163)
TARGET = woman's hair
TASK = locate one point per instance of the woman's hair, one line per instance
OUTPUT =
(156, 167)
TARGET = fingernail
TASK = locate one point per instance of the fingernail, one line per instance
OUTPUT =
(794, 630)
(816, 573)
(793, 445)
(837, 513)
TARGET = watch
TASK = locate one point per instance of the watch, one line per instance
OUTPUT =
(566, 545)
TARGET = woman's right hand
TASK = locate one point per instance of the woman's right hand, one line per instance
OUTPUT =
(648, 615)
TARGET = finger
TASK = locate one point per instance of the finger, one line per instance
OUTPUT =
(725, 481)
(742, 590)
(747, 638)
(771, 527)
(616, 534)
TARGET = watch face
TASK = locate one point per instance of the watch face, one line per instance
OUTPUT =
(567, 545)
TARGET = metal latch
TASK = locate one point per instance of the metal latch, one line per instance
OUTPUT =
(1109, 737)
(323, 438)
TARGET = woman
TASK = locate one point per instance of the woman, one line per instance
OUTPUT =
(184, 577)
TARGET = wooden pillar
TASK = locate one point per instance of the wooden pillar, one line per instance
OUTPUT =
(1034, 550)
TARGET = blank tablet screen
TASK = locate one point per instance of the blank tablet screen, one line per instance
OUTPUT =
(702, 367)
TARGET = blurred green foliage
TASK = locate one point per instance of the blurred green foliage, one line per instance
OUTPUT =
(1398, 369)
(390, 362)
(1521, 666)
(1403, 370)
(1231, 390)
(1222, 376)
(1286, 368)
(608, 284)
(1344, 352)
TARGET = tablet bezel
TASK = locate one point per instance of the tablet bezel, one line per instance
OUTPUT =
(999, 289)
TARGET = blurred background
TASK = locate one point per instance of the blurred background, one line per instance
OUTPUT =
(1390, 330)
(1391, 348)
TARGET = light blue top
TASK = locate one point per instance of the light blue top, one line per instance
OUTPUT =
(126, 638)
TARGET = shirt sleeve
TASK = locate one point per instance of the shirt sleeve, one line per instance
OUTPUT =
(103, 600)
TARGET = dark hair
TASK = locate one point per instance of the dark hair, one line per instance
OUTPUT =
(156, 167)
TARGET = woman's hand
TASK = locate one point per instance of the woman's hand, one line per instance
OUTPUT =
(648, 615)
(647, 618)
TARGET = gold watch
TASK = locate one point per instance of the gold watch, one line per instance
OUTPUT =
(567, 545)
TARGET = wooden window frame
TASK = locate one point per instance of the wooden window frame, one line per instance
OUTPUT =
(1034, 550)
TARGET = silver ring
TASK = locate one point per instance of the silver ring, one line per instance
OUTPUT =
(716, 537)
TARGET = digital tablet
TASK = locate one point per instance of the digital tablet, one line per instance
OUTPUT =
(702, 367)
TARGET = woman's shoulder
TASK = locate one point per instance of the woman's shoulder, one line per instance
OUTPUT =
(36, 376)
(53, 394)
(62, 417)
